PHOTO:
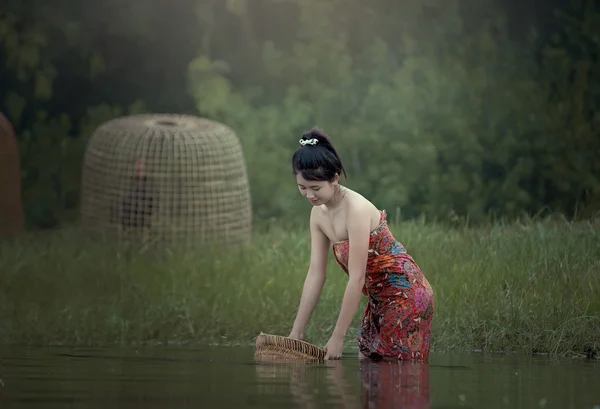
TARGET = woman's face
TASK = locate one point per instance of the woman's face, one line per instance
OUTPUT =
(317, 192)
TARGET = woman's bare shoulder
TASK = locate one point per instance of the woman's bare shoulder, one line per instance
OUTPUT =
(358, 203)
(316, 217)
(361, 207)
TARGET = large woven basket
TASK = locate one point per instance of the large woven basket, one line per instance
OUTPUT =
(278, 348)
(173, 180)
(11, 209)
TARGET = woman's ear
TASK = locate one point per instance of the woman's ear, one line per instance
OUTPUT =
(336, 179)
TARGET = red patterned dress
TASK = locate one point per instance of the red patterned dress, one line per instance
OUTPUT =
(399, 313)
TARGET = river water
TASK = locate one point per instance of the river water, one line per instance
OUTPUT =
(230, 378)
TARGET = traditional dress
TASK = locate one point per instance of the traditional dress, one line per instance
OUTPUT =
(399, 313)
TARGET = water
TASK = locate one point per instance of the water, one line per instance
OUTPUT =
(230, 378)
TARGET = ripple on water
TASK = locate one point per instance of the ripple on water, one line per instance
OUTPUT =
(230, 378)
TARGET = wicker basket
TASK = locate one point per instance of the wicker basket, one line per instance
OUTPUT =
(173, 180)
(11, 209)
(278, 348)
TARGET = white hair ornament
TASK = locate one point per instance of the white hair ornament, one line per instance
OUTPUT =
(312, 141)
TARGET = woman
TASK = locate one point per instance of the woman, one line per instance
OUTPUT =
(397, 321)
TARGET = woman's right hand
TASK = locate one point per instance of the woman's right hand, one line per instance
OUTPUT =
(296, 335)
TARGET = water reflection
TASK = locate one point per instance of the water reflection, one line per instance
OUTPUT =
(348, 384)
(395, 384)
(229, 377)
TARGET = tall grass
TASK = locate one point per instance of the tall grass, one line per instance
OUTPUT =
(529, 287)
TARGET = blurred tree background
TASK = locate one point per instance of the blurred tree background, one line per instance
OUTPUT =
(440, 108)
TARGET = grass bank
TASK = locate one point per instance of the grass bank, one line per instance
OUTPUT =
(522, 287)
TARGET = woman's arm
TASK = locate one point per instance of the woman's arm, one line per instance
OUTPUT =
(315, 278)
(359, 232)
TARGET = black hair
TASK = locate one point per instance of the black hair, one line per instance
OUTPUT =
(319, 162)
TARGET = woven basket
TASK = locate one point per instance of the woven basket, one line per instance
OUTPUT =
(172, 180)
(11, 210)
(279, 348)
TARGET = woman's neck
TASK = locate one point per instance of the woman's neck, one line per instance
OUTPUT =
(338, 198)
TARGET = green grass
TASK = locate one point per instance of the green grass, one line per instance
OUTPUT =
(529, 287)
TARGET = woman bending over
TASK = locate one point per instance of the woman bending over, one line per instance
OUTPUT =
(398, 318)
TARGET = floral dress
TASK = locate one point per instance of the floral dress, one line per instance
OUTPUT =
(397, 320)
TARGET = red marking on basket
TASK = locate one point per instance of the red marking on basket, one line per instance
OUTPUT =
(139, 167)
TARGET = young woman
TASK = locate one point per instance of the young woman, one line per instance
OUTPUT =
(397, 321)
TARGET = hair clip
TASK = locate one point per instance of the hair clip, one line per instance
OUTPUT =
(312, 141)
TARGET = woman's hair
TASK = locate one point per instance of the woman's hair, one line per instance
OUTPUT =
(316, 159)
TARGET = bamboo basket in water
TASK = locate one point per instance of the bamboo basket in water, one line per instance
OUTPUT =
(279, 348)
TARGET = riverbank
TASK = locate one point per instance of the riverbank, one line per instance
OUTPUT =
(529, 288)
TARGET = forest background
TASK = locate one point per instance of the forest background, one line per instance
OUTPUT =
(448, 110)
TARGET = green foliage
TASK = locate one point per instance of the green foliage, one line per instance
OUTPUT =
(456, 120)
(436, 107)
(51, 141)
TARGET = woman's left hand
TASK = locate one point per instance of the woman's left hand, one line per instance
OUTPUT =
(334, 347)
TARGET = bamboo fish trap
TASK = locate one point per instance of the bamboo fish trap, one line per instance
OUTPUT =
(277, 347)
(166, 180)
